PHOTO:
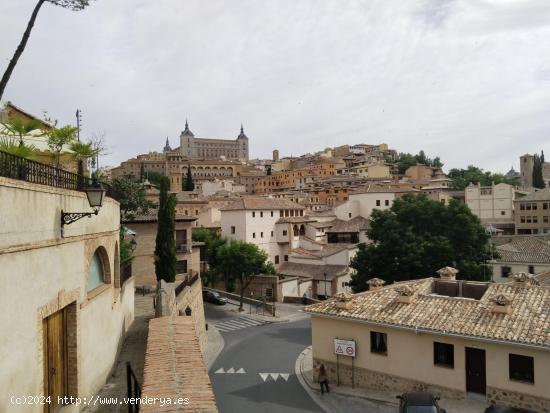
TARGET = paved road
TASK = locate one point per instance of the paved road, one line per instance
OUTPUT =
(260, 360)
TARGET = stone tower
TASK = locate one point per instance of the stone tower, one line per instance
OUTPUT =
(187, 142)
(242, 139)
(275, 155)
(526, 170)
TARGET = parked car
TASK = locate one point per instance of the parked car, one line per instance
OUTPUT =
(419, 402)
(213, 297)
(505, 409)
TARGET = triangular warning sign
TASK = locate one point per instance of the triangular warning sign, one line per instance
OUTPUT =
(339, 350)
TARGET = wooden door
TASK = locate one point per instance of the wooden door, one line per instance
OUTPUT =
(55, 358)
(475, 370)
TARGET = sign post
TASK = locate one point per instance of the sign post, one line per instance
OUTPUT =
(344, 348)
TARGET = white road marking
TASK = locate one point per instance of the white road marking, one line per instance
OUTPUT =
(240, 371)
(231, 370)
(275, 376)
(238, 323)
(285, 376)
(220, 371)
(264, 376)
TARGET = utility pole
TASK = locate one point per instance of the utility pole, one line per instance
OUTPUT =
(78, 123)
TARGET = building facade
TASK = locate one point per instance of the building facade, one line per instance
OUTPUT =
(66, 307)
(192, 147)
(441, 335)
(494, 205)
(532, 213)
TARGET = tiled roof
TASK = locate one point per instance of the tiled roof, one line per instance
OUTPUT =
(374, 189)
(292, 220)
(262, 203)
(317, 272)
(152, 216)
(540, 195)
(543, 278)
(174, 367)
(525, 250)
(353, 225)
(527, 323)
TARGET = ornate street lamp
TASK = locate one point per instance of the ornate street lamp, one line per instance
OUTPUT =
(95, 195)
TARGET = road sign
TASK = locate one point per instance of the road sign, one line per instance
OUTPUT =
(344, 347)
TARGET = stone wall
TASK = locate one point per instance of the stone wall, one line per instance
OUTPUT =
(519, 400)
(380, 381)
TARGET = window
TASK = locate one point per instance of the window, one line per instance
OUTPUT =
(378, 342)
(377, 202)
(502, 213)
(284, 232)
(96, 274)
(271, 213)
(531, 269)
(545, 205)
(253, 214)
(535, 220)
(181, 267)
(349, 215)
(545, 219)
(286, 257)
(196, 212)
(522, 207)
(505, 271)
(387, 202)
(261, 234)
(522, 368)
(232, 230)
(276, 259)
(528, 220)
(261, 214)
(444, 354)
(522, 220)
(271, 234)
(253, 235)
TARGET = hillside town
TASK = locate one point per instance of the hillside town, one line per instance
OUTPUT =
(199, 275)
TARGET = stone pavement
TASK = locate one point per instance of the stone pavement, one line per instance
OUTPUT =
(344, 399)
(133, 351)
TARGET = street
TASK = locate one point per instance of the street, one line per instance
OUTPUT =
(255, 370)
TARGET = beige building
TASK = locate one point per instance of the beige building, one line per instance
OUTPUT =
(521, 253)
(187, 254)
(441, 335)
(65, 306)
(532, 213)
(192, 147)
(493, 205)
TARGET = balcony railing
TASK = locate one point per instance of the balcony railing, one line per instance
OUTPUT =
(185, 248)
(15, 167)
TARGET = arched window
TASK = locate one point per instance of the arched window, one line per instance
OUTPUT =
(302, 229)
(188, 311)
(295, 230)
(96, 273)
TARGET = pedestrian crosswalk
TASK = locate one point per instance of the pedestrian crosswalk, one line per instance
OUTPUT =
(238, 323)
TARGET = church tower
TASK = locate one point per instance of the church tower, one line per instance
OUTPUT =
(242, 140)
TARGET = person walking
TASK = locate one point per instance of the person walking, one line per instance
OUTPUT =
(323, 379)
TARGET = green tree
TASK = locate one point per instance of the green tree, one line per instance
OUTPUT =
(538, 180)
(416, 237)
(239, 261)
(13, 147)
(141, 172)
(131, 196)
(81, 152)
(20, 128)
(188, 184)
(461, 178)
(126, 252)
(406, 160)
(212, 242)
(74, 5)
(165, 243)
(58, 138)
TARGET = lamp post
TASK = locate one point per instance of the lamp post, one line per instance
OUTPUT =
(95, 195)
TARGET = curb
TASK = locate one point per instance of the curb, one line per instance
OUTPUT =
(221, 344)
(310, 389)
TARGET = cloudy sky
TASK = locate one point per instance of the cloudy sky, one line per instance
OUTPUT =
(468, 80)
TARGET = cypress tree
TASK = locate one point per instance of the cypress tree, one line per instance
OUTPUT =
(188, 184)
(165, 245)
(141, 172)
(538, 180)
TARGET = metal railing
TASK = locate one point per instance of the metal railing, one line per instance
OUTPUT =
(134, 390)
(185, 283)
(15, 167)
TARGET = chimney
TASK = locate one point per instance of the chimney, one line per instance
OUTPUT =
(376, 284)
(343, 301)
(521, 279)
(447, 273)
(404, 294)
(502, 304)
